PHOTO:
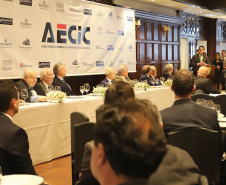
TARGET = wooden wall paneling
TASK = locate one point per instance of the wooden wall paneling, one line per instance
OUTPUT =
(149, 31)
(142, 51)
(149, 52)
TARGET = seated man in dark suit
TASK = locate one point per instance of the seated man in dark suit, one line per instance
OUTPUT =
(29, 82)
(168, 72)
(124, 152)
(204, 84)
(146, 70)
(59, 71)
(46, 77)
(110, 76)
(14, 146)
(199, 60)
(185, 113)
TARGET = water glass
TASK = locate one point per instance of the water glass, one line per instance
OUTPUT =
(87, 87)
(57, 88)
(201, 101)
(82, 89)
(218, 108)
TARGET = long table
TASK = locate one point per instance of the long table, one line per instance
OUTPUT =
(48, 123)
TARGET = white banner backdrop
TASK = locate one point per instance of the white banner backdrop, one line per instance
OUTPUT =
(86, 37)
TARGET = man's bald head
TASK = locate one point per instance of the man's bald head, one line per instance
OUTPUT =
(203, 71)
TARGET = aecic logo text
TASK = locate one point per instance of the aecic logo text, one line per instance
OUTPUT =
(63, 34)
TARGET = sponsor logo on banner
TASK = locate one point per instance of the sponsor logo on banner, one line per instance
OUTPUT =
(129, 18)
(110, 63)
(111, 15)
(110, 32)
(99, 47)
(44, 64)
(5, 44)
(121, 32)
(87, 64)
(121, 61)
(99, 63)
(26, 2)
(120, 17)
(74, 64)
(110, 47)
(43, 5)
(26, 44)
(25, 24)
(60, 7)
(8, 21)
(74, 10)
(64, 34)
(87, 12)
(100, 31)
(121, 48)
(130, 47)
(99, 14)
(25, 65)
(7, 65)
(130, 34)
(130, 63)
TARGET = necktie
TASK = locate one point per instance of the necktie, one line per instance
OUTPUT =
(201, 58)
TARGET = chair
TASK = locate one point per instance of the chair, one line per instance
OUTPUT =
(194, 97)
(83, 133)
(204, 147)
(221, 99)
(76, 118)
(98, 110)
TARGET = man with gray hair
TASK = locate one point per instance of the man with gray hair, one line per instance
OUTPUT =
(168, 72)
(122, 74)
(153, 72)
(59, 71)
(46, 77)
(110, 76)
(204, 84)
(29, 82)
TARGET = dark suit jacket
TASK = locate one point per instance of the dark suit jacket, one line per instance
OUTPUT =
(195, 60)
(64, 86)
(23, 85)
(166, 75)
(104, 81)
(185, 113)
(177, 167)
(42, 88)
(14, 149)
(205, 85)
(145, 77)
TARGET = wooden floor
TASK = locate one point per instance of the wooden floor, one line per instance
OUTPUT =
(56, 172)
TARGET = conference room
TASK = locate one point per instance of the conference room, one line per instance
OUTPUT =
(64, 56)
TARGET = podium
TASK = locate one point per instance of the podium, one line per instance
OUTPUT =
(211, 69)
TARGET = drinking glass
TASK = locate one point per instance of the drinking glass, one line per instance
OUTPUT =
(218, 109)
(153, 82)
(47, 91)
(210, 104)
(82, 89)
(87, 87)
(24, 94)
(57, 88)
(162, 79)
(201, 101)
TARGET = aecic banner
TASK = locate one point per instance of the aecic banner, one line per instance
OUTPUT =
(86, 37)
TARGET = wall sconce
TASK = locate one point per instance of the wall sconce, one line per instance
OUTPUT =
(137, 24)
(166, 29)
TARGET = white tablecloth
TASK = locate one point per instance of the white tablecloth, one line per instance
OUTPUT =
(48, 124)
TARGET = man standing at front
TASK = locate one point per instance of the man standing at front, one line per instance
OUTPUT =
(199, 60)
(14, 146)
(128, 145)
(59, 71)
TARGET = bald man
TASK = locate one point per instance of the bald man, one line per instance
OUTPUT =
(28, 82)
(146, 70)
(204, 84)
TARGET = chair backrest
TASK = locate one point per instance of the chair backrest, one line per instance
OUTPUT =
(194, 97)
(204, 147)
(98, 110)
(76, 118)
(83, 133)
(221, 99)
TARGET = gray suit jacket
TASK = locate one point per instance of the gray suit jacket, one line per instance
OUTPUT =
(44, 87)
(205, 85)
(120, 78)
